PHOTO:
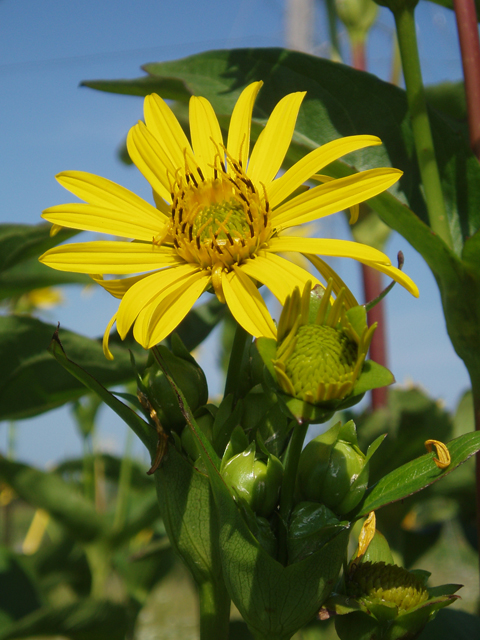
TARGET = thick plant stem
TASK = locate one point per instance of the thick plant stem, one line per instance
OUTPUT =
(235, 364)
(292, 458)
(476, 412)
(407, 40)
(470, 48)
(214, 611)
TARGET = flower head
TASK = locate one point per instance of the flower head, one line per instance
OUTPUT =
(218, 221)
(318, 359)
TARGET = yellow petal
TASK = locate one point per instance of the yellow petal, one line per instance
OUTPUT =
(151, 159)
(354, 210)
(238, 144)
(247, 305)
(168, 309)
(109, 257)
(206, 135)
(126, 224)
(119, 287)
(313, 162)
(106, 336)
(396, 275)
(145, 291)
(327, 272)
(107, 194)
(272, 144)
(162, 122)
(277, 274)
(328, 247)
(334, 196)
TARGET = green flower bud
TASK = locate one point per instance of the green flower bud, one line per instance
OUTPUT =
(189, 442)
(188, 376)
(318, 359)
(255, 482)
(332, 470)
(358, 16)
(385, 601)
(377, 583)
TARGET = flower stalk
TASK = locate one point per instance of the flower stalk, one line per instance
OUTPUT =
(407, 40)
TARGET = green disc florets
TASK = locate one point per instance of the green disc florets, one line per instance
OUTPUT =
(319, 358)
(377, 583)
(220, 220)
(322, 355)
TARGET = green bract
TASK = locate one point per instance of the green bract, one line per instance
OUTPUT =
(254, 481)
(318, 359)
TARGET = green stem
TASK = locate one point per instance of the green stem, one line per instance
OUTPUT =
(214, 611)
(476, 412)
(292, 458)
(123, 484)
(98, 558)
(235, 369)
(88, 471)
(407, 40)
(333, 31)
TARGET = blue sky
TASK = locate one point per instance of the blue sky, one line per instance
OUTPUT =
(50, 124)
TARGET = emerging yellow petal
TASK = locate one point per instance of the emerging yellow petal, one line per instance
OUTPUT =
(217, 217)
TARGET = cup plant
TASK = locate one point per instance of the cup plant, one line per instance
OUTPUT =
(257, 517)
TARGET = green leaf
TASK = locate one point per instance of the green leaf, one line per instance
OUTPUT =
(84, 620)
(32, 274)
(143, 430)
(31, 382)
(168, 88)
(187, 507)
(46, 490)
(18, 242)
(416, 475)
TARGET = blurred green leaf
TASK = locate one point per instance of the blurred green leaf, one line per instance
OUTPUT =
(449, 98)
(142, 429)
(84, 620)
(18, 592)
(451, 624)
(31, 382)
(417, 474)
(46, 490)
(410, 418)
(31, 274)
(139, 480)
(19, 242)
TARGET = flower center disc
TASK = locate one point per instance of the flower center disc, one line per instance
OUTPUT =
(218, 222)
(321, 355)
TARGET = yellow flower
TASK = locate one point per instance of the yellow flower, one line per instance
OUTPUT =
(218, 220)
